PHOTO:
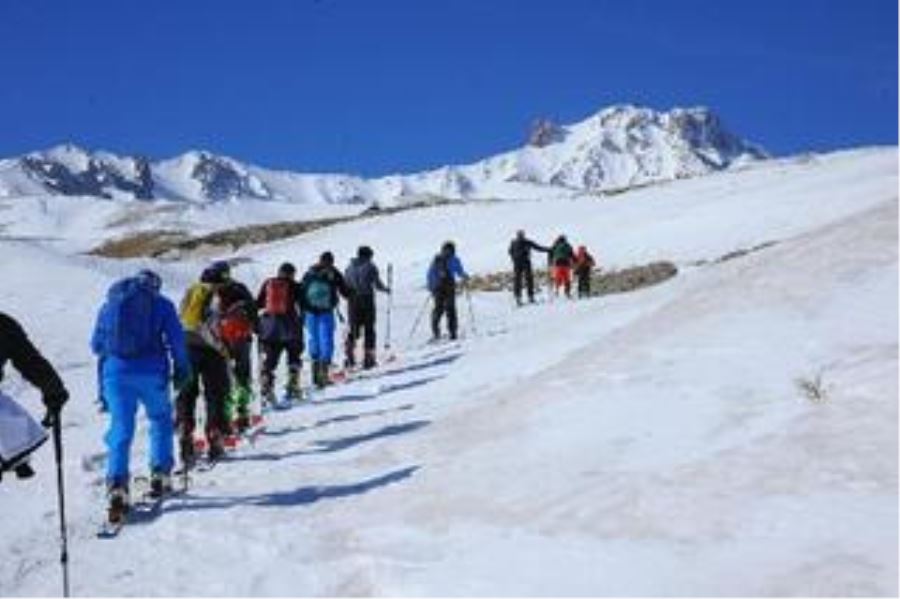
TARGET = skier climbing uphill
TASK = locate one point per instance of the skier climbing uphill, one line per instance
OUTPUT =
(320, 289)
(20, 434)
(280, 331)
(237, 319)
(363, 278)
(208, 355)
(441, 279)
(520, 252)
(583, 265)
(137, 333)
(561, 258)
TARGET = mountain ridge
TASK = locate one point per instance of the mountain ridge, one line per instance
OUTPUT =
(618, 147)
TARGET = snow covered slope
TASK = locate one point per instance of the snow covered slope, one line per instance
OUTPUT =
(651, 443)
(618, 147)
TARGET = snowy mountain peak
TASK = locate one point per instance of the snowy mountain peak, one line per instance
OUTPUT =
(618, 147)
(214, 178)
(71, 170)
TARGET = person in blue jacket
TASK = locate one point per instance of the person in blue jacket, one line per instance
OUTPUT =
(442, 274)
(136, 334)
(319, 295)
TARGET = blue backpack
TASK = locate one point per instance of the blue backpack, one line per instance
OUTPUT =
(128, 320)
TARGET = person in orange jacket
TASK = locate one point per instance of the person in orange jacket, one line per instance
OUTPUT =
(583, 265)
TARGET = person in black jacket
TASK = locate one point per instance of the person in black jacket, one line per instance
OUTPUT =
(320, 289)
(520, 252)
(363, 279)
(16, 436)
(237, 315)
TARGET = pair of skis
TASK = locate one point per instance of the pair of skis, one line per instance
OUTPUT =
(146, 508)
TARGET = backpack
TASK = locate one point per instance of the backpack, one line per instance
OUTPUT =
(128, 320)
(441, 268)
(195, 306)
(317, 293)
(234, 325)
(561, 254)
(278, 296)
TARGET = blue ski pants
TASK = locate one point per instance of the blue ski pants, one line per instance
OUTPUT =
(123, 392)
(320, 332)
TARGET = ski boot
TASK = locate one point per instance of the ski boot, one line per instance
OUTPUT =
(369, 360)
(118, 506)
(216, 448)
(320, 374)
(292, 388)
(186, 450)
(266, 389)
(349, 357)
(242, 397)
(160, 485)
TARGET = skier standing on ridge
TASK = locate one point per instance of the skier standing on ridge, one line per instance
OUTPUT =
(237, 319)
(136, 334)
(561, 257)
(441, 281)
(583, 265)
(280, 330)
(520, 253)
(208, 354)
(319, 295)
(20, 434)
(363, 279)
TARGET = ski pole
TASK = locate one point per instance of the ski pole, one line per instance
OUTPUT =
(387, 320)
(418, 318)
(64, 537)
(471, 310)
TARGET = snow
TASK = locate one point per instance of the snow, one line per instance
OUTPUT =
(649, 443)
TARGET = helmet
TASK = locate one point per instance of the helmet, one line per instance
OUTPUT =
(149, 279)
(287, 270)
(448, 247)
(210, 276)
(364, 252)
(221, 268)
(326, 258)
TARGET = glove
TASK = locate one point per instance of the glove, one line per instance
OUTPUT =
(54, 401)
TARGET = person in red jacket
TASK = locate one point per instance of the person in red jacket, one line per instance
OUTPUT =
(583, 265)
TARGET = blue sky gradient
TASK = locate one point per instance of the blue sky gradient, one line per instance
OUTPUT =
(379, 86)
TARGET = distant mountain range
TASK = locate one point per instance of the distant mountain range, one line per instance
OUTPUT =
(619, 147)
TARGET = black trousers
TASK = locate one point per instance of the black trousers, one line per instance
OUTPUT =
(523, 271)
(211, 369)
(240, 362)
(584, 284)
(362, 323)
(272, 351)
(444, 303)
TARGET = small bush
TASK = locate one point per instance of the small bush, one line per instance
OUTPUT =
(813, 389)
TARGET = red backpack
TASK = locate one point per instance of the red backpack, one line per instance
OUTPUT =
(234, 325)
(278, 296)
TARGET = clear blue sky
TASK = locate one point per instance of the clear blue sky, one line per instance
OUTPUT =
(380, 86)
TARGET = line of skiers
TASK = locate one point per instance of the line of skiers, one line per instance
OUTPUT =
(562, 262)
(208, 341)
(143, 343)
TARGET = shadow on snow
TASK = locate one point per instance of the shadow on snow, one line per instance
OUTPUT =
(292, 498)
(281, 432)
(332, 445)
